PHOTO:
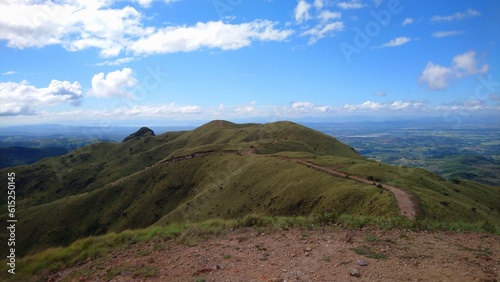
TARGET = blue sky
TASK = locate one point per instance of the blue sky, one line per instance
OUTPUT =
(176, 61)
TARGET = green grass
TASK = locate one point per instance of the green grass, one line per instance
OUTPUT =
(38, 265)
(115, 187)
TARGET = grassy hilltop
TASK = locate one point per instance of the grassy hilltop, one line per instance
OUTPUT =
(228, 171)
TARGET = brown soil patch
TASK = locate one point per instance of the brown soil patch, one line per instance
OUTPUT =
(325, 254)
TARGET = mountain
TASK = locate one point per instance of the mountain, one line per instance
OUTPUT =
(18, 155)
(142, 132)
(225, 170)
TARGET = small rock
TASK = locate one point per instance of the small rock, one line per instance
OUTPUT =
(354, 272)
(308, 249)
(362, 262)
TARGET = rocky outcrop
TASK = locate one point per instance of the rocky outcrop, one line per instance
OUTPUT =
(143, 132)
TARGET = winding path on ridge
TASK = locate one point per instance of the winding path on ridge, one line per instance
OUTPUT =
(407, 203)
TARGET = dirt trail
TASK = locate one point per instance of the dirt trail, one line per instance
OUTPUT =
(407, 204)
(220, 123)
(325, 254)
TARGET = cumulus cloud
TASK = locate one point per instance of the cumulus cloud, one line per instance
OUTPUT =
(441, 34)
(80, 25)
(308, 108)
(246, 109)
(466, 64)
(469, 13)
(23, 98)
(302, 11)
(76, 25)
(208, 35)
(394, 106)
(114, 84)
(437, 77)
(327, 22)
(396, 42)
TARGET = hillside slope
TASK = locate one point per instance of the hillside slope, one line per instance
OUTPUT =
(222, 170)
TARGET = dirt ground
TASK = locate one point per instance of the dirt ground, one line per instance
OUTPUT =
(324, 254)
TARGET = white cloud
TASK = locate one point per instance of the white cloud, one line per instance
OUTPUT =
(154, 111)
(294, 110)
(135, 113)
(9, 72)
(353, 4)
(394, 106)
(22, 98)
(147, 3)
(327, 22)
(466, 64)
(114, 84)
(407, 21)
(380, 94)
(308, 108)
(469, 13)
(208, 35)
(467, 105)
(400, 105)
(246, 109)
(79, 25)
(327, 15)
(321, 31)
(441, 34)
(144, 3)
(76, 25)
(116, 62)
(397, 42)
(437, 77)
(302, 11)
(318, 4)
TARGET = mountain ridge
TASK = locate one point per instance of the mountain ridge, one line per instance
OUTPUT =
(273, 169)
